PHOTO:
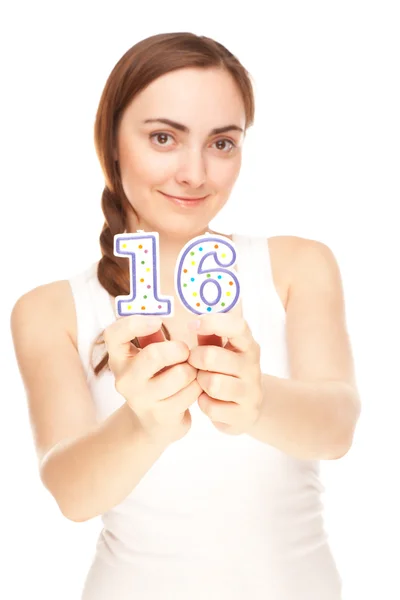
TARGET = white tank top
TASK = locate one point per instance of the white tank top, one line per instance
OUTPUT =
(216, 517)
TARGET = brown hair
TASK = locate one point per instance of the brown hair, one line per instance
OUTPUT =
(139, 66)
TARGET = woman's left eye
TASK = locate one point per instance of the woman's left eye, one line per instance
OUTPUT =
(229, 142)
(168, 135)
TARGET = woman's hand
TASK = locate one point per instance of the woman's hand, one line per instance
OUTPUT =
(156, 381)
(229, 375)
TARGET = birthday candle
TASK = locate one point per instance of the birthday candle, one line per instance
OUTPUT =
(143, 252)
(202, 279)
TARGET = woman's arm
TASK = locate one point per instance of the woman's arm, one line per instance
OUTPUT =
(313, 414)
(92, 473)
(88, 467)
(307, 419)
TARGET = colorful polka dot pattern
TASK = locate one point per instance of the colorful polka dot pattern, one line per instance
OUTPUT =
(204, 285)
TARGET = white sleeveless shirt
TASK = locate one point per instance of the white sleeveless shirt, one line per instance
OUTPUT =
(216, 517)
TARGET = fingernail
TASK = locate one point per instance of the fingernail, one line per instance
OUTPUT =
(194, 324)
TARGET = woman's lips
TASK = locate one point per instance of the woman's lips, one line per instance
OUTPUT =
(183, 202)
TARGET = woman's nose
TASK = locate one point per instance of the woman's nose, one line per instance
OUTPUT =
(192, 169)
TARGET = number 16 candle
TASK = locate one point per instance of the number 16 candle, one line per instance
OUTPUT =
(203, 282)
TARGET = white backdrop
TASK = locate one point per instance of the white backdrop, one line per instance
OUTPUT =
(322, 158)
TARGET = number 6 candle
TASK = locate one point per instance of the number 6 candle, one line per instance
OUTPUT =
(202, 279)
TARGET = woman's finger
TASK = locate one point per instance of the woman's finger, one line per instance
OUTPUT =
(229, 325)
(217, 360)
(119, 334)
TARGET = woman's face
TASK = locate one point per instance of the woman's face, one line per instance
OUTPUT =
(188, 159)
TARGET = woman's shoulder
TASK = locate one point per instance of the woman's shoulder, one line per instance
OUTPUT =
(292, 255)
(284, 249)
(290, 252)
(294, 258)
(52, 304)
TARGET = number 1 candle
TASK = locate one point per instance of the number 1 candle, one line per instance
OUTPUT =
(143, 252)
(202, 279)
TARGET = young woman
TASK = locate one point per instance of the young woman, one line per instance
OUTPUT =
(199, 443)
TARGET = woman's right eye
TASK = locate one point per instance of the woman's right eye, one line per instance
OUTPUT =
(158, 135)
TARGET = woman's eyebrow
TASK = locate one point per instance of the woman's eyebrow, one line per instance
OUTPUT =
(186, 129)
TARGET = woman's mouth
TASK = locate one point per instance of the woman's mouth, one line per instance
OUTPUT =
(186, 202)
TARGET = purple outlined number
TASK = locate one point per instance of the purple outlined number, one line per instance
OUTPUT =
(202, 287)
(142, 249)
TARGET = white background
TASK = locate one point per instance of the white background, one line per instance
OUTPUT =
(322, 161)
